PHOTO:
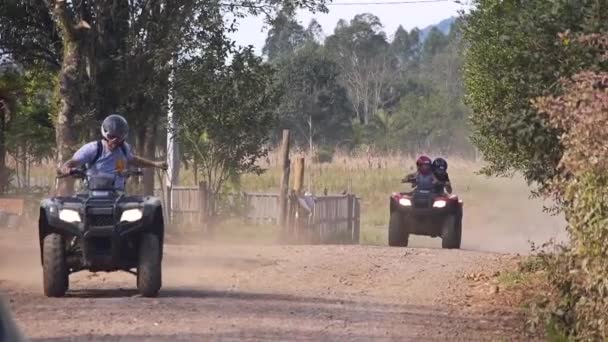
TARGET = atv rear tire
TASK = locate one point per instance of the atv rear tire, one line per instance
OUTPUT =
(54, 267)
(149, 273)
(397, 233)
(451, 233)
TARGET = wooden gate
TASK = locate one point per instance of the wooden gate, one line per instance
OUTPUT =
(330, 219)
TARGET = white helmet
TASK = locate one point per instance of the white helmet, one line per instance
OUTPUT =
(115, 126)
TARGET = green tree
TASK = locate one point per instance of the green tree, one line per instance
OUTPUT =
(284, 36)
(406, 47)
(226, 112)
(367, 69)
(30, 134)
(512, 57)
(435, 42)
(115, 56)
(10, 86)
(28, 34)
(26, 125)
(314, 103)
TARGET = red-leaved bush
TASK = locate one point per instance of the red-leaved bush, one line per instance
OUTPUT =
(579, 272)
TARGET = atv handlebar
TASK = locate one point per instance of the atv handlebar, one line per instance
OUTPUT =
(133, 173)
(81, 173)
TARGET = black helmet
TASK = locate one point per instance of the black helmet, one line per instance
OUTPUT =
(115, 126)
(439, 164)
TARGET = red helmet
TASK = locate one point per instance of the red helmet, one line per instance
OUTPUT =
(424, 164)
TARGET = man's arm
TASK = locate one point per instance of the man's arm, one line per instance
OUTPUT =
(448, 184)
(84, 155)
(410, 177)
(138, 161)
(68, 166)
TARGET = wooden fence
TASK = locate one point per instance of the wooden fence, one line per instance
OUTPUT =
(333, 219)
(325, 219)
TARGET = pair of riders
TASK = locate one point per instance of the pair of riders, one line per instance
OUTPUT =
(111, 155)
(431, 175)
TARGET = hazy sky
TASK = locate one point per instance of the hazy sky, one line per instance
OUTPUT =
(252, 31)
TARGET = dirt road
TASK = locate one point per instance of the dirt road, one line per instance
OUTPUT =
(267, 293)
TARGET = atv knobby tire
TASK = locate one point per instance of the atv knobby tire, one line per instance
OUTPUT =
(149, 274)
(451, 233)
(397, 234)
(55, 271)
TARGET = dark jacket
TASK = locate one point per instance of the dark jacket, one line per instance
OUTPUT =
(443, 180)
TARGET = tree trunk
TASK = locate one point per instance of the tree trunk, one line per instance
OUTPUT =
(4, 175)
(69, 90)
(195, 168)
(17, 175)
(150, 153)
(64, 128)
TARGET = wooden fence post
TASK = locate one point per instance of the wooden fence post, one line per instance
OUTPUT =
(296, 224)
(350, 212)
(203, 204)
(357, 223)
(283, 195)
(169, 204)
(298, 180)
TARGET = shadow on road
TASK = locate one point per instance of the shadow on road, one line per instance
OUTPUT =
(259, 335)
(200, 294)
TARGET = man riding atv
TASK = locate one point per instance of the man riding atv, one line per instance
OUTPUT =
(426, 210)
(102, 228)
(111, 155)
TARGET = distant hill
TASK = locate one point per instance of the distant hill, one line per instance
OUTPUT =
(443, 26)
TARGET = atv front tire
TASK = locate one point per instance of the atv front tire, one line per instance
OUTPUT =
(149, 274)
(54, 267)
(397, 234)
(451, 233)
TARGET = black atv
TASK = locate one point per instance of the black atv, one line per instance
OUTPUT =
(101, 230)
(425, 212)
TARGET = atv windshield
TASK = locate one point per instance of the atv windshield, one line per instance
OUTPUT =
(101, 182)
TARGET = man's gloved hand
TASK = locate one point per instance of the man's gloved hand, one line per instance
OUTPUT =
(64, 170)
(162, 165)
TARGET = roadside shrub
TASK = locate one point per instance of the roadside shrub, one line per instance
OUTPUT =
(579, 272)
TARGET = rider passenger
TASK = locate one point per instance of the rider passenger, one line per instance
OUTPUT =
(111, 155)
(440, 172)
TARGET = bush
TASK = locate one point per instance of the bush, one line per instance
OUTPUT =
(579, 272)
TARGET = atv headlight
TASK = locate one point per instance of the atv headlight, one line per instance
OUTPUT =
(405, 202)
(439, 204)
(131, 215)
(69, 216)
